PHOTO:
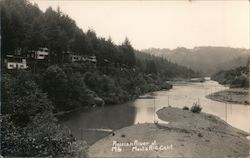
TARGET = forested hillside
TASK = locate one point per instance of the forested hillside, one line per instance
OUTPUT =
(31, 97)
(207, 60)
(25, 27)
(235, 78)
(166, 69)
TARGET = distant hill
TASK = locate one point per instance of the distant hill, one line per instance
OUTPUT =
(207, 60)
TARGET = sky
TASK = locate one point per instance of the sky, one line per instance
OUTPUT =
(162, 24)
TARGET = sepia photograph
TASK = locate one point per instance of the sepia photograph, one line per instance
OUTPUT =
(125, 78)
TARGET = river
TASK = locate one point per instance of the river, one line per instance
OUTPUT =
(83, 123)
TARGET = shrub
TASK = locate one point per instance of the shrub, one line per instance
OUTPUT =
(196, 108)
(28, 126)
(42, 137)
(166, 86)
(200, 135)
(185, 108)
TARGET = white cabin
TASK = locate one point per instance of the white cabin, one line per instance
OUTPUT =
(15, 62)
(42, 53)
(73, 57)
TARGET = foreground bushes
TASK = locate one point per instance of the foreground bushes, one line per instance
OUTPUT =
(196, 108)
(41, 137)
(28, 127)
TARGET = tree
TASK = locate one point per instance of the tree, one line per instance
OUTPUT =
(128, 55)
(12, 25)
(35, 37)
(79, 95)
(23, 99)
(151, 67)
(55, 84)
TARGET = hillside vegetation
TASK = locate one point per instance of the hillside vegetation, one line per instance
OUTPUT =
(119, 76)
(235, 78)
(166, 69)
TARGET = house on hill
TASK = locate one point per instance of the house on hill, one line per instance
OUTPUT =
(15, 62)
(73, 57)
(40, 54)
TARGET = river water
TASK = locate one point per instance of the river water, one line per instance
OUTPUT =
(91, 125)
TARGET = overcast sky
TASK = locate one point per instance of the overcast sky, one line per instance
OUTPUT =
(162, 24)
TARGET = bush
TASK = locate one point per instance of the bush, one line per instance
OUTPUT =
(23, 99)
(185, 108)
(166, 86)
(28, 127)
(41, 138)
(196, 108)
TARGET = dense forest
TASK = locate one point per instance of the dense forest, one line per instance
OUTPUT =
(153, 64)
(31, 97)
(206, 59)
(235, 78)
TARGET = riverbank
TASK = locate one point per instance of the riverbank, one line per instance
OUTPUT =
(187, 134)
(232, 95)
(165, 86)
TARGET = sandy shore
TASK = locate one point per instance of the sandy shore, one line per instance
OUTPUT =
(232, 95)
(186, 135)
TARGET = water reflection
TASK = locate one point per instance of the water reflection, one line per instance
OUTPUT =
(111, 117)
(143, 110)
(186, 94)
